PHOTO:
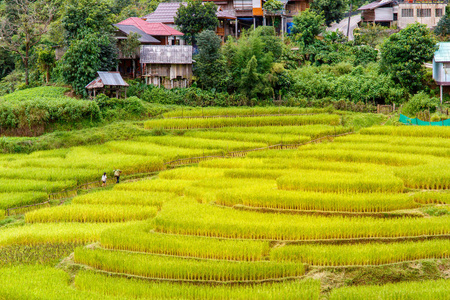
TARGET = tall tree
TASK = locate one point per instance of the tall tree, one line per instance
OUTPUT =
(46, 60)
(307, 26)
(403, 55)
(333, 10)
(210, 65)
(195, 17)
(23, 27)
(443, 27)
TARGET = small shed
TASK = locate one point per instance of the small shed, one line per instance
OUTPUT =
(108, 83)
(168, 66)
(441, 66)
(381, 12)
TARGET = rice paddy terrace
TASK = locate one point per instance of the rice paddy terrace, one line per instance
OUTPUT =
(266, 203)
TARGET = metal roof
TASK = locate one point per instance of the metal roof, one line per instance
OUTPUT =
(153, 29)
(375, 4)
(144, 37)
(443, 54)
(166, 54)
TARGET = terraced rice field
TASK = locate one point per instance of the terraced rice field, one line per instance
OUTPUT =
(258, 226)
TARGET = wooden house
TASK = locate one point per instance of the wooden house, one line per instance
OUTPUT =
(167, 66)
(441, 66)
(381, 12)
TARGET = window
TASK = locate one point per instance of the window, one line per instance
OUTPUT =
(407, 13)
(424, 12)
(439, 12)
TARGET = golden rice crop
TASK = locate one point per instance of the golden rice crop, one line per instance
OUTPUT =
(226, 183)
(285, 154)
(9, 200)
(191, 173)
(432, 197)
(33, 234)
(51, 174)
(294, 200)
(266, 138)
(432, 289)
(411, 131)
(244, 122)
(160, 185)
(431, 176)
(133, 288)
(328, 182)
(91, 213)
(362, 254)
(26, 185)
(395, 140)
(254, 173)
(151, 266)
(200, 143)
(138, 238)
(244, 111)
(204, 220)
(125, 197)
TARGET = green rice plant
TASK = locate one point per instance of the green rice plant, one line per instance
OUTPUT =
(26, 185)
(244, 111)
(91, 213)
(313, 131)
(125, 197)
(159, 185)
(432, 197)
(152, 266)
(362, 254)
(191, 173)
(242, 122)
(364, 156)
(431, 176)
(137, 289)
(409, 131)
(165, 152)
(295, 200)
(37, 92)
(9, 200)
(200, 143)
(328, 182)
(266, 138)
(138, 238)
(432, 289)
(39, 282)
(192, 218)
(34, 234)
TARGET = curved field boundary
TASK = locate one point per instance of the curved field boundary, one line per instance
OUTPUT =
(385, 240)
(244, 116)
(389, 214)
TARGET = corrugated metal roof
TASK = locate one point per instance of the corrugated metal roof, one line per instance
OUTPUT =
(443, 54)
(112, 78)
(95, 84)
(166, 54)
(375, 4)
(144, 37)
(153, 29)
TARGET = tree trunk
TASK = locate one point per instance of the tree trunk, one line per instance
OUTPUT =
(47, 79)
(25, 64)
(134, 68)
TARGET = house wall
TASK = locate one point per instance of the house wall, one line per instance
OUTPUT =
(168, 75)
(293, 8)
(441, 73)
(430, 21)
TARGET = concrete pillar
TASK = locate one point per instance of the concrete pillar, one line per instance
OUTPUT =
(236, 28)
(442, 93)
(254, 23)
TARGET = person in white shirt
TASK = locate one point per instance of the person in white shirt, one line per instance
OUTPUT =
(104, 179)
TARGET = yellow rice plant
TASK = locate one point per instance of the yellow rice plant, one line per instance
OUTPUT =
(26, 185)
(431, 176)
(91, 213)
(432, 289)
(33, 234)
(192, 218)
(329, 182)
(255, 173)
(125, 197)
(191, 173)
(152, 266)
(261, 197)
(395, 140)
(133, 288)
(409, 131)
(51, 174)
(242, 122)
(9, 200)
(362, 254)
(432, 197)
(244, 111)
(159, 185)
(137, 238)
(200, 143)
(228, 183)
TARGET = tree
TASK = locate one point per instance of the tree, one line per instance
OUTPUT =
(272, 6)
(307, 26)
(85, 57)
(333, 10)
(129, 48)
(22, 29)
(403, 54)
(210, 65)
(46, 60)
(195, 17)
(443, 27)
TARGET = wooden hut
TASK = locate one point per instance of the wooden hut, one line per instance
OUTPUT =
(168, 66)
(441, 66)
(108, 83)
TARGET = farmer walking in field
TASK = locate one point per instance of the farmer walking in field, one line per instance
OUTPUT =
(104, 177)
(117, 175)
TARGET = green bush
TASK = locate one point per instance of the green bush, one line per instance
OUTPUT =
(420, 102)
